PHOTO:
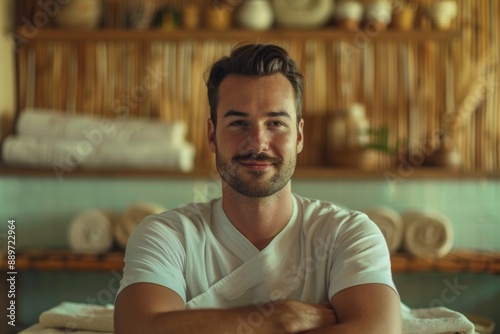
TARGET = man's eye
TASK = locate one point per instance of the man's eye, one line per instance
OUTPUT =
(276, 124)
(237, 123)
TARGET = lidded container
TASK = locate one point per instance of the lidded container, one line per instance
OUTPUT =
(348, 129)
(348, 137)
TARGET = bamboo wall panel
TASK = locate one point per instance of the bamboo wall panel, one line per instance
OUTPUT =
(406, 86)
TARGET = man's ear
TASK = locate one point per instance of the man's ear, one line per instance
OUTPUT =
(300, 136)
(211, 134)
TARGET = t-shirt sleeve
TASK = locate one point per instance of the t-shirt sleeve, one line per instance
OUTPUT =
(360, 256)
(155, 254)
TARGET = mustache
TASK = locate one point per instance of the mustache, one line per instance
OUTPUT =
(256, 157)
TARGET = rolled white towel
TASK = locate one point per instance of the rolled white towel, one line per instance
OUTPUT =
(132, 216)
(390, 223)
(63, 154)
(91, 232)
(427, 233)
(53, 123)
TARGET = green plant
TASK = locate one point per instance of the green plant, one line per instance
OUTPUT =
(379, 140)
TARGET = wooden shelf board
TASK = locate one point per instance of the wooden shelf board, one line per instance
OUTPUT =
(300, 174)
(474, 261)
(360, 37)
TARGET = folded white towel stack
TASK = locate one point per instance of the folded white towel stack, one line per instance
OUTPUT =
(64, 153)
(39, 329)
(390, 223)
(132, 216)
(79, 316)
(434, 320)
(91, 232)
(55, 140)
(99, 319)
(427, 233)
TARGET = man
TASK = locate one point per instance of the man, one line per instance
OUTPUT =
(260, 259)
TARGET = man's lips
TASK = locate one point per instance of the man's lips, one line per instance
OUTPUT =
(256, 159)
(256, 165)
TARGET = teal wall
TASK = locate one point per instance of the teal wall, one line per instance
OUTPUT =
(44, 206)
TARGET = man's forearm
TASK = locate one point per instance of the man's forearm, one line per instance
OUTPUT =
(272, 318)
(207, 321)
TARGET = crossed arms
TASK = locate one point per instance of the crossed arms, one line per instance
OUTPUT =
(150, 309)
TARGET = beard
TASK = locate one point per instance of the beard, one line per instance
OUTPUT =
(255, 183)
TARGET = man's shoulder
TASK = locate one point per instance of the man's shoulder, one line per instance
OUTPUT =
(318, 205)
(320, 211)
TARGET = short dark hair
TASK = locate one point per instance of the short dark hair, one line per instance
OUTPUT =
(254, 59)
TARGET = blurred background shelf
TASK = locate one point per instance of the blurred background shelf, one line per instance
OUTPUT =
(361, 36)
(300, 173)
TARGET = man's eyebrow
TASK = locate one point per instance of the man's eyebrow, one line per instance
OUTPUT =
(235, 113)
(278, 114)
(269, 114)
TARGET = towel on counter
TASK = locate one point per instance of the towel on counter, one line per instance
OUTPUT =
(434, 320)
(437, 320)
(69, 317)
(59, 124)
(39, 329)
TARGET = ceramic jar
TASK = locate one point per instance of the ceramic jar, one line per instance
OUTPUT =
(349, 14)
(349, 129)
(378, 14)
(256, 15)
(403, 18)
(79, 14)
(218, 18)
(302, 14)
(442, 13)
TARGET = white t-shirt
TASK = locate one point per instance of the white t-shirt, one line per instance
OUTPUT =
(198, 253)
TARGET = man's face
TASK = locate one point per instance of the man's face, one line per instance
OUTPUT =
(257, 139)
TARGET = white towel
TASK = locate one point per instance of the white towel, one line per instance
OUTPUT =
(435, 320)
(39, 329)
(427, 233)
(87, 317)
(146, 155)
(390, 223)
(66, 154)
(91, 232)
(132, 216)
(54, 123)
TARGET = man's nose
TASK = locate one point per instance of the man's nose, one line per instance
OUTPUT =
(257, 140)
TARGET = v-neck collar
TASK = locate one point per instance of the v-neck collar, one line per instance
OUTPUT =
(232, 239)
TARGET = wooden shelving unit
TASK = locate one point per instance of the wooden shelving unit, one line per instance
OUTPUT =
(65, 260)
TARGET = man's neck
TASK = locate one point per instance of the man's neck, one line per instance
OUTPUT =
(259, 219)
